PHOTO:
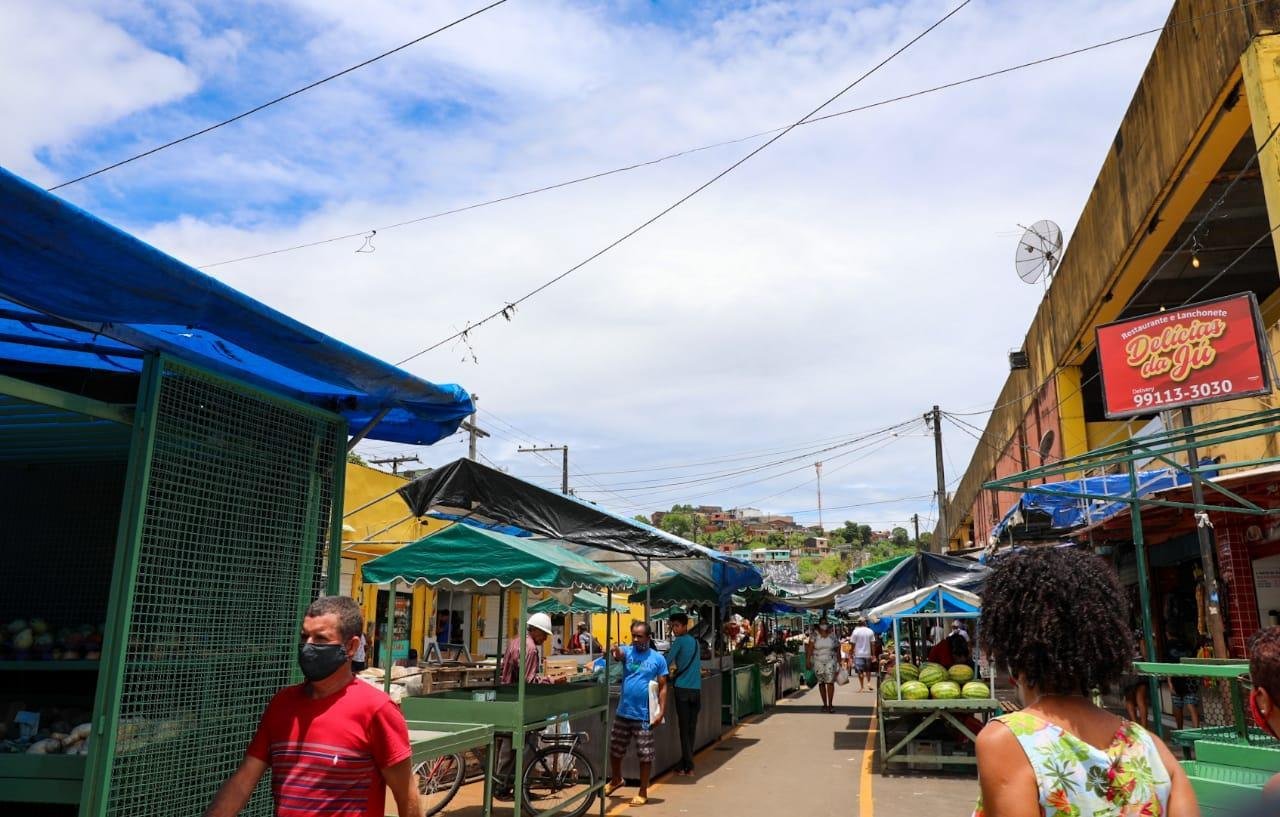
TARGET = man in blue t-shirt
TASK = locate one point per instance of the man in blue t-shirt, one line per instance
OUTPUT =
(684, 659)
(640, 664)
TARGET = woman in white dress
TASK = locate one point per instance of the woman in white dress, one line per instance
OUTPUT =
(823, 651)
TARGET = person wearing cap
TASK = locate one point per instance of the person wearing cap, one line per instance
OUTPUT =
(536, 634)
(586, 643)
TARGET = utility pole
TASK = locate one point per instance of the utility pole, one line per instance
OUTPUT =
(395, 462)
(934, 419)
(915, 523)
(564, 449)
(818, 467)
(473, 430)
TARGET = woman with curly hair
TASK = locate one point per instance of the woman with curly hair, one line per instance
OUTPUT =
(1264, 672)
(1056, 619)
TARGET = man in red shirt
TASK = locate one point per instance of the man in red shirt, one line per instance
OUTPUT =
(334, 743)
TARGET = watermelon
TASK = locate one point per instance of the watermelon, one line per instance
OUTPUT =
(961, 673)
(909, 672)
(931, 674)
(889, 689)
(914, 691)
(976, 689)
(944, 690)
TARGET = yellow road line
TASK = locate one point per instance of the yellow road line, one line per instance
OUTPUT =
(654, 783)
(865, 805)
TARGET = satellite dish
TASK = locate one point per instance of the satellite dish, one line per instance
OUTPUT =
(1046, 445)
(1039, 252)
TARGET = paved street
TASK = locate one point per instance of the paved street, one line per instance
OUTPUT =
(794, 760)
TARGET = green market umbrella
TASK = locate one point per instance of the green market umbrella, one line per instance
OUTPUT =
(677, 588)
(584, 601)
(869, 573)
(476, 559)
(663, 615)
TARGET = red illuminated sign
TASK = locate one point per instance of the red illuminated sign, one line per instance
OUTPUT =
(1195, 354)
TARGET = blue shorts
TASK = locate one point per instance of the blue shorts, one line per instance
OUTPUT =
(1186, 699)
(862, 664)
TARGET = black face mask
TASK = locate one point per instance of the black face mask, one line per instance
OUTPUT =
(319, 661)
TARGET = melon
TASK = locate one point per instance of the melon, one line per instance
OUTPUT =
(931, 674)
(914, 691)
(944, 690)
(976, 689)
(961, 673)
(889, 689)
(909, 672)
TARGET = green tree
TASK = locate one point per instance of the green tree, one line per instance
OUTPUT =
(775, 539)
(736, 532)
(900, 537)
(681, 524)
(864, 535)
(356, 459)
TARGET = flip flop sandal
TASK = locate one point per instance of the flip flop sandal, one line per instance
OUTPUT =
(611, 787)
(639, 800)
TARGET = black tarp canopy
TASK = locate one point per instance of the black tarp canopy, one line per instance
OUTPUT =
(467, 488)
(920, 571)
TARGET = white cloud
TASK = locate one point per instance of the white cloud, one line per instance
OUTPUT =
(851, 276)
(65, 71)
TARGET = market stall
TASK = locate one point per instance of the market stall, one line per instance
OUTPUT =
(481, 561)
(929, 713)
(171, 464)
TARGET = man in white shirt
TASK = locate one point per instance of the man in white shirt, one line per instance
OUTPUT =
(957, 627)
(864, 640)
(936, 632)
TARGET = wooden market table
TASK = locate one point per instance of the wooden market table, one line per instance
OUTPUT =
(928, 712)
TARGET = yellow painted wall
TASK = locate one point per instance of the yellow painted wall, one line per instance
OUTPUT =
(368, 541)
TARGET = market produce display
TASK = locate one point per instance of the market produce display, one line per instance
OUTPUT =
(960, 673)
(914, 691)
(944, 690)
(36, 640)
(931, 674)
(975, 689)
(929, 680)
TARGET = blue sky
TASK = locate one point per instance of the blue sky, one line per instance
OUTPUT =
(848, 278)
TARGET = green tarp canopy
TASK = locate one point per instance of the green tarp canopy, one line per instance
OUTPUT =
(869, 573)
(475, 559)
(663, 615)
(584, 601)
(677, 588)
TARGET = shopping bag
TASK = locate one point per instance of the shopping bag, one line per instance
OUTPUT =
(810, 678)
(842, 676)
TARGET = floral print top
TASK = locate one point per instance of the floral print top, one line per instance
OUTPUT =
(1079, 780)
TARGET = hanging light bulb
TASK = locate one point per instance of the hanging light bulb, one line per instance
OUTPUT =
(1195, 251)
(1195, 260)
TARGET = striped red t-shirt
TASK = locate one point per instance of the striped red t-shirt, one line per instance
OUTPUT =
(326, 755)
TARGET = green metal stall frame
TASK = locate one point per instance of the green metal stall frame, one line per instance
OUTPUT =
(231, 497)
(526, 708)
(929, 711)
(1164, 447)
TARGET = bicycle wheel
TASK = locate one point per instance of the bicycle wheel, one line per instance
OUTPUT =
(554, 776)
(438, 781)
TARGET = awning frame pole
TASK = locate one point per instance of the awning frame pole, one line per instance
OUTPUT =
(369, 426)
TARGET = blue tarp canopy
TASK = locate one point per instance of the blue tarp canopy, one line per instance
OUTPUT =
(1049, 510)
(77, 292)
(939, 598)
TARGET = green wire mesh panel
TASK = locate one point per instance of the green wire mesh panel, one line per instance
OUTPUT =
(237, 513)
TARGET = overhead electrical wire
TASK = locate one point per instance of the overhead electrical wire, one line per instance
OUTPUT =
(275, 101)
(724, 143)
(510, 306)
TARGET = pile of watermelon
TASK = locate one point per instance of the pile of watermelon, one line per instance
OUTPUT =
(930, 680)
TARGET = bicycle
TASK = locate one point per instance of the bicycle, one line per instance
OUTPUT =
(555, 773)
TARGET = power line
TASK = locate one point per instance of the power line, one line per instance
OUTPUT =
(509, 308)
(724, 143)
(275, 101)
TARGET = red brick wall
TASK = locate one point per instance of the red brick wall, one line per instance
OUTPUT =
(1240, 598)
